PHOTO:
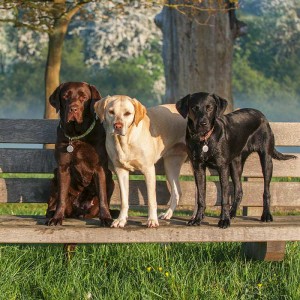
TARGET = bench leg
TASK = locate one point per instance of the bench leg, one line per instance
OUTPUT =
(267, 251)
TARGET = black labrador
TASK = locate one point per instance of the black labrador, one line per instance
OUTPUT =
(223, 142)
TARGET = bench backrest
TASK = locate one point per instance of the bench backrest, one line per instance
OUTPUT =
(26, 172)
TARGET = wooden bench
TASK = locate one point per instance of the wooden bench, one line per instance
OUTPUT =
(19, 183)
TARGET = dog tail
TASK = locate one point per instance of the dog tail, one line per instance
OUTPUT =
(280, 156)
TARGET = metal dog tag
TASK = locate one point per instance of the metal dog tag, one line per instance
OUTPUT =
(70, 148)
(205, 148)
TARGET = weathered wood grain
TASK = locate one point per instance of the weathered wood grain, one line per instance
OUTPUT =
(37, 131)
(41, 131)
(31, 230)
(42, 161)
(252, 168)
(286, 133)
(27, 160)
(33, 190)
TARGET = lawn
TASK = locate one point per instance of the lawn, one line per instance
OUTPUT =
(142, 271)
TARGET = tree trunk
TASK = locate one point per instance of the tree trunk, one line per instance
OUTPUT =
(197, 52)
(55, 46)
(62, 16)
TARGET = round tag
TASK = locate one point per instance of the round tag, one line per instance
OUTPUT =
(205, 148)
(70, 148)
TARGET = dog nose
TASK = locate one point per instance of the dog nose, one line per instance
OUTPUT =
(73, 109)
(118, 125)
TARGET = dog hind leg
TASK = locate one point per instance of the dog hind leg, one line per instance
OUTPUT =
(267, 169)
(172, 166)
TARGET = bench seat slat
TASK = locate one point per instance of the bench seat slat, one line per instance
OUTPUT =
(27, 229)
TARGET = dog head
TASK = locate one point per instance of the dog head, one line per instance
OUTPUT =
(202, 109)
(74, 100)
(119, 112)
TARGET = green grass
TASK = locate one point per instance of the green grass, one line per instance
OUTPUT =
(142, 271)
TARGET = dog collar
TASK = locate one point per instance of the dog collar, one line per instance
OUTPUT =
(70, 147)
(205, 138)
(207, 135)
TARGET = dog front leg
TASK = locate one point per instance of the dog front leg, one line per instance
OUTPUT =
(123, 179)
(200, 180)
(225, 205)
(100, 181)
(64, 181)
(151, 192)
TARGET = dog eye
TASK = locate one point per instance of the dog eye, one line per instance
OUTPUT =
(127, 114)
(111, 112)
(209, 108)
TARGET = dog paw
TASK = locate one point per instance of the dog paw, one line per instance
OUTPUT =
(194, 222)
(152, 223)
(54, 221)
(224, 223)
(118, 223)
(167, 215)
(266, 217)
(106, 222)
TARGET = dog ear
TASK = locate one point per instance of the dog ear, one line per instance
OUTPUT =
(95, 96)
(100, 106)
(182, 105)
(221, 104)
(54, 99)
(140, 111)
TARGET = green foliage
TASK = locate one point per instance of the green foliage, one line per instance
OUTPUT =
(22, 90)
(266, 72)
(134, 77)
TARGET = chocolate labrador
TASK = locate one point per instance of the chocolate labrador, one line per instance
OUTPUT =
(82, 202)
(80, 150)
(223, 142)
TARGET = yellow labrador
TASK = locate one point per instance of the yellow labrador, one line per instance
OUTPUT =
(136, 139)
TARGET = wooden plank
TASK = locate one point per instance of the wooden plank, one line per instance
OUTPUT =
(283, 168)
(42, 161)
(41, 131)
(286, 133)
(31, 230)
(33, 190)
(287, 168)
(27, 190)
(37, 131)
(27, 160)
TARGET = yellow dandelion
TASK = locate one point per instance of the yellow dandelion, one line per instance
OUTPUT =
(259, 285)
(160, 269)
(167, 274)
(149, 269)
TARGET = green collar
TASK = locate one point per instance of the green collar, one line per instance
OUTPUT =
(73, 138)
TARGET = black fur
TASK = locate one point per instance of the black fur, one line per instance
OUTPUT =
(234, 137)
